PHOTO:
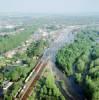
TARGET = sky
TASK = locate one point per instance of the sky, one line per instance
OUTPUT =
(50, 6)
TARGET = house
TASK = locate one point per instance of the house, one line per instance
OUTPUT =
(6, 85)
(10, 54)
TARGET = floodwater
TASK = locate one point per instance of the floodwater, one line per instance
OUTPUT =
(66, 36)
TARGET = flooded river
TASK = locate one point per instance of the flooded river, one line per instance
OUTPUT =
(73, 91)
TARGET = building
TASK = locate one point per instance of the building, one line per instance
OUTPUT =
(6, 85)
(10, 54)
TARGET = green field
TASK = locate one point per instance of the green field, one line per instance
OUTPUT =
(9, 42)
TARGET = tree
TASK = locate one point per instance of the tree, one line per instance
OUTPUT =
(14, 75)
(45, 89)
(97, 62)
(80, 66)
(50, 81)
(95, 95)
(1, 78)
(50, 92)
(36, 48)
(78, 77)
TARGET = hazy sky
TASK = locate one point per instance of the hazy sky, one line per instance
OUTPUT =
(49, 6)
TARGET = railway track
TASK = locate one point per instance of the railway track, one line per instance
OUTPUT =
(28, 87)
